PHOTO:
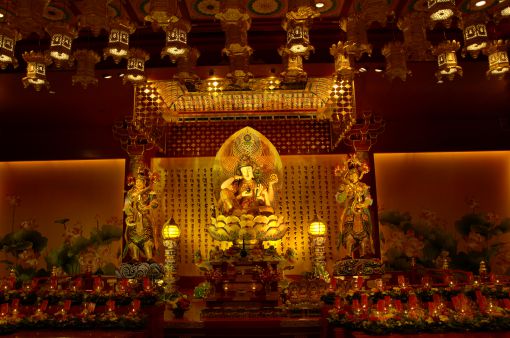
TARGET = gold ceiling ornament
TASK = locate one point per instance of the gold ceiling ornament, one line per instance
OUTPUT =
(413, 26)
(236, 22)
(29, 16)
(505, 10)
(118, 40)
(342, 59)
(496, 51)
(357, 39)
(475, 33)
(163, 12)
(8, 38)
(62, 36)
(441, 11)
(239, 74)
(447, 60)
(85, 67)
(186, 67)
(176, 39)
(36, 69)
(214, 84)
(135, 71)
(268, 84)
(94, 16)
(373, 11)
(396, 63)
(296, 23)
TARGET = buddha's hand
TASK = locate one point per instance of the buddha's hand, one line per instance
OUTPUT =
(273, 179)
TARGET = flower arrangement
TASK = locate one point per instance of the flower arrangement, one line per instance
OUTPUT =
(411, 310)
(176, 301)
(267, 275)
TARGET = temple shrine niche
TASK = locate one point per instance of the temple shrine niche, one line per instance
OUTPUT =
(247, 168)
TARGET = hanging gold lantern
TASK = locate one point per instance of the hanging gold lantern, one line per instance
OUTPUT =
(118, 41)
(414, 28)
(296, 23)
(357, 39)
(498, 59)
(186, 65)
(85, 67)
(62, 36)
(298, 39)
(36, 69)
(176, 39)
(136, 66)
(441, 10)
(8, 38)
(475, 33)
(447, 60)
(396, 63)
(235, 22)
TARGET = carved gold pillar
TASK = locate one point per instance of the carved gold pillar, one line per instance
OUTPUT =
(317, 231)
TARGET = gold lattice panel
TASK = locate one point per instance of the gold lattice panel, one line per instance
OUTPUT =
(186, 191)
(288, 136)
(196, 129)
(148, 105)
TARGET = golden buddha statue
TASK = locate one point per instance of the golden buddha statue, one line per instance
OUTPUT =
(247, 167)
(243, 194)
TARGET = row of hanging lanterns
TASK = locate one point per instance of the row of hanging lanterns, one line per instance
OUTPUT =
(476, 40)
(296, 23)
(62, 36)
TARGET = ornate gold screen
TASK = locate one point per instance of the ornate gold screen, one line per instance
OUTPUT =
(186, 192)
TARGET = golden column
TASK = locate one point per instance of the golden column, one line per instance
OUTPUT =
(171, 234)
(317, 231)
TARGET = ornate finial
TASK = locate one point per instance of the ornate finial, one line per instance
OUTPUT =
(483, 268)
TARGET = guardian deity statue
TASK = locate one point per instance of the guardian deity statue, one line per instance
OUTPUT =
(354, 196)
(139, 232)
